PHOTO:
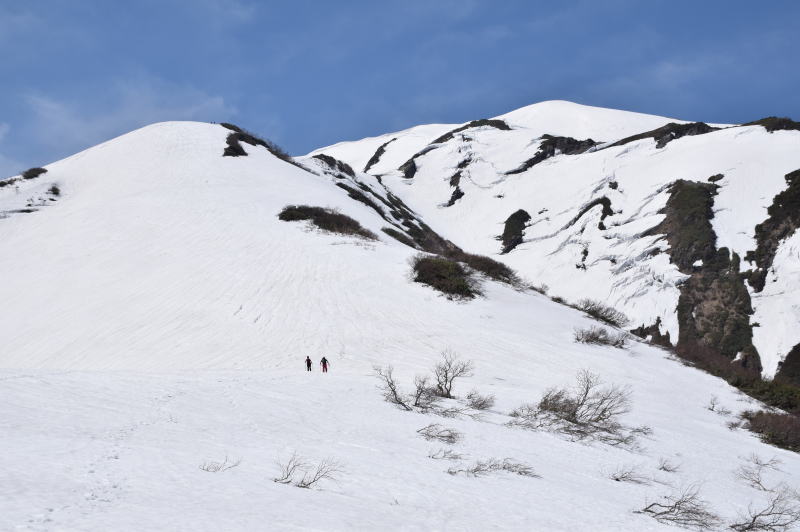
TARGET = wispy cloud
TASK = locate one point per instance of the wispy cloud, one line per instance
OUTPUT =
(67, 126)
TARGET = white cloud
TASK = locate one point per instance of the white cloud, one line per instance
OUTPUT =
(70, 126)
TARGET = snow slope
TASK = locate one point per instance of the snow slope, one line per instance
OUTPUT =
(155, 316)
(620, 266)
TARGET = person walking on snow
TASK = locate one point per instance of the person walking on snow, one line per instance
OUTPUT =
(308, 363)
(324, 364)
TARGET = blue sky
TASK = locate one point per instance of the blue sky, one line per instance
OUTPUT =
(306, 74)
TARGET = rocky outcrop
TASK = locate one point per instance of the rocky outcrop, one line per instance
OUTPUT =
(552, 146)
(774, 123)
(377, 155)
(668, 133)
(484, 122)
(714, 305)
(513, 230)
(783, 220)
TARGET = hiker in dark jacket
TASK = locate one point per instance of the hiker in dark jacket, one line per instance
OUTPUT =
(324, 364)
(308, 363)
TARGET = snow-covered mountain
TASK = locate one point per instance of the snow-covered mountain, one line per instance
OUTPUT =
(578, 198)
(156, 312)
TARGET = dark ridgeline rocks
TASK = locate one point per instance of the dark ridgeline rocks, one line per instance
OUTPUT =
(377, 155)
(714, 305)
(361, 197)
(552, 146)
(774, 123)
(238, 135)
(484, 122)
(335, 164)
(716, 177)
(782, 221)
(666, 134)
(513, 230)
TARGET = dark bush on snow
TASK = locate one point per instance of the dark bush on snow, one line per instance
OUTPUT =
(602, 312)
(30, 173)
(775, 428)
(600, 336)
(400, 237)
(325, 219)
(54, 190)
(489, 267)
(444, 275)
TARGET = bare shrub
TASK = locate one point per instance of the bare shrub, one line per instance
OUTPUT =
(628, 474)
(541, 288)
(445, 454)
(600, 336)
(684, 508)
(753, 471)
(327, 469)
(477, 401)
(667, 466)
(448, 370)
(289, 468)
(216, 467)
(590, 410)
(54, 190)
(781, 513)
(590, 404)
(602, 312)
(391, 392)
(777, 428)
(714, 406)
(492, 465)
(424, 395)
(434, 431)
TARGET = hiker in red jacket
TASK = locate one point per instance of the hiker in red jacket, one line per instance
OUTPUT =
(324, 364)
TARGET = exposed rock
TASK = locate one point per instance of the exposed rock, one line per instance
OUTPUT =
(514, 229)
(377, 155)
(668, 133)
(714, 306)
(789, 369)
(497, 124)
(774, 123)
(457, 195)
(783, 220)
(552, 146)
(654, 333)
